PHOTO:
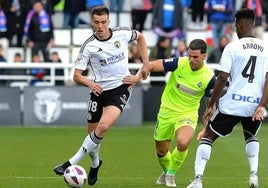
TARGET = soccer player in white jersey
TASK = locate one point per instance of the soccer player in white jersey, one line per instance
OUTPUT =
(106, 52)
(245, 63)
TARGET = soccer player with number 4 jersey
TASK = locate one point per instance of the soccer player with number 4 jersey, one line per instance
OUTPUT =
(244, 63)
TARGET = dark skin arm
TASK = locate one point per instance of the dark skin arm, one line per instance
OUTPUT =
(219, 85)
(259, 112)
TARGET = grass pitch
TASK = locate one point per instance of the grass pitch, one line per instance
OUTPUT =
(29, 154)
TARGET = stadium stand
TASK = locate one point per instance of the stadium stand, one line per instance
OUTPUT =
(11, 52)
(151, 38)
(74, 53)
(64, 53)
(125, 19)
(62, 37)
(68, 41)
(80, 35)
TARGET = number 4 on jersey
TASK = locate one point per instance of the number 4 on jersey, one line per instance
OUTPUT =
(250, 66)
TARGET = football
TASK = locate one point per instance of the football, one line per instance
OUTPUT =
(75, 176)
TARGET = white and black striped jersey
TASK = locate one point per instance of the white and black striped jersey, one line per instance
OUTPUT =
(246, 60)
(108, 59)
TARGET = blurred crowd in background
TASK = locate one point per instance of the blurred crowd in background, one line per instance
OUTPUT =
(31, 24)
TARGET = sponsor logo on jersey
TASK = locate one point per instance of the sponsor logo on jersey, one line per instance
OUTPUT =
(186, 89)
(78, 60)
(244, 98)
(116, 58)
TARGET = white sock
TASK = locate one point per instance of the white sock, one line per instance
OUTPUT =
(94, 155)
(252, 150)
(87, 146)
(78, 156)
(202, 156)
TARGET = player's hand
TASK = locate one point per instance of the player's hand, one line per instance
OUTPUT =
(200, 134)
(96, 89)
(145, 71)
(132, 80)
(207, 115)
(258, 114)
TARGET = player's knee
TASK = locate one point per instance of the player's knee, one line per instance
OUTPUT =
(161, 152)
(91, 127)
(103, 127)
(182, 147)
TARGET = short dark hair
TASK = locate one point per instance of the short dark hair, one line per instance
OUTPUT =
(161, 39)
(245, 13)
(17, 54)
(54, 53)
(99, 10)
(198, 44)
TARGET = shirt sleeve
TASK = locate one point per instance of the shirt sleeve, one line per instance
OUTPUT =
(82, 60)
(133, 35)
(226, 60)
(209, 89)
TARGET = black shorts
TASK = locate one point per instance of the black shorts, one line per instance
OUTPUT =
(115, 97)
(223, 124)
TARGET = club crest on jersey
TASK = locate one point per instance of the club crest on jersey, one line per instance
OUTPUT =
(199, 84)
(117, 44)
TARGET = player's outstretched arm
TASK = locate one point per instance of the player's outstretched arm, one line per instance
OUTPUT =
(142, 45)
(154, 66)
(132, 80)
(259, 112)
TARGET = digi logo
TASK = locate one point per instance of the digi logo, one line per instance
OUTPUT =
(249, 99)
